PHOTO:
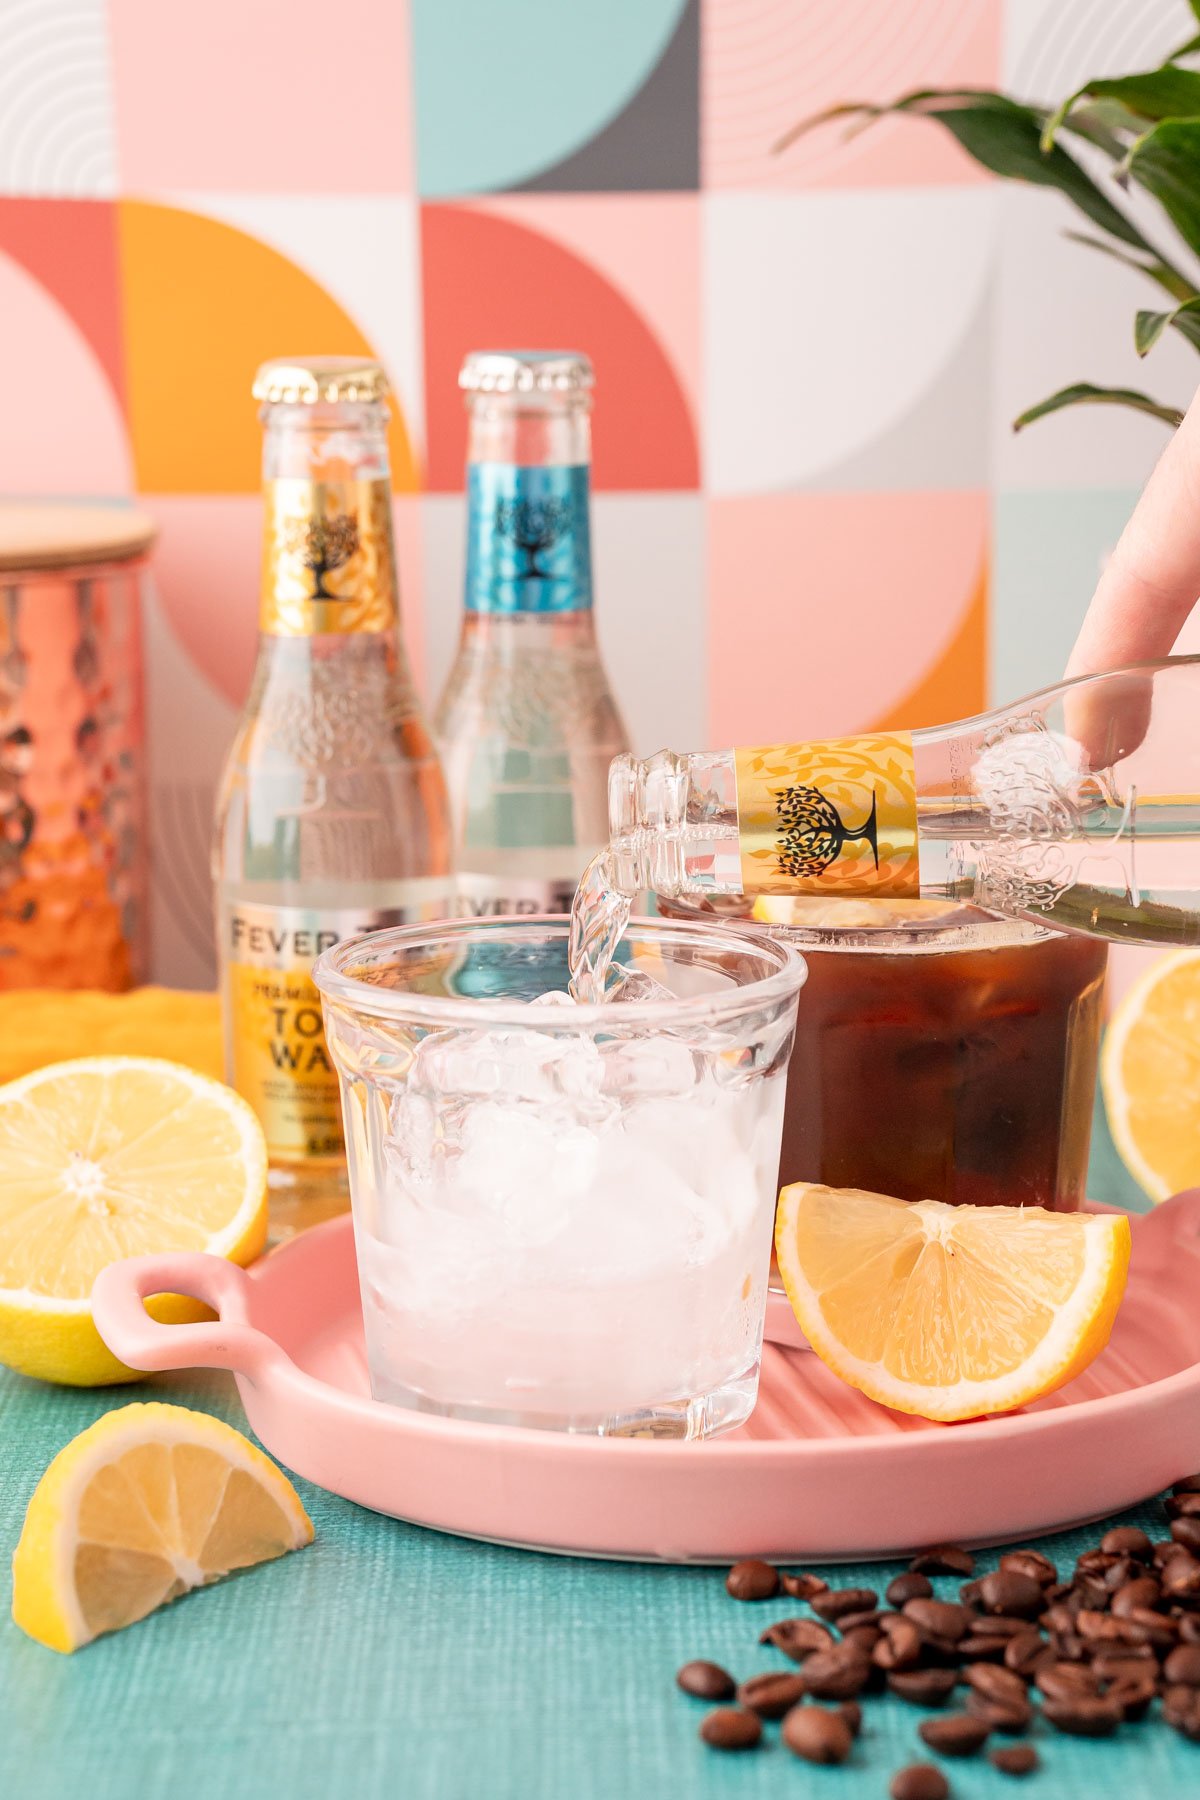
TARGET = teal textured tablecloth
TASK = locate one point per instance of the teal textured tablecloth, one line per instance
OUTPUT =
(388, 1661)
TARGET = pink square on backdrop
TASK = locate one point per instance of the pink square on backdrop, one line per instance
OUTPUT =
(289, 96)
(827, 612)
(767, 64)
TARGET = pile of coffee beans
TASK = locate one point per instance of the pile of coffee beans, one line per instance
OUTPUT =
(1096, 1650)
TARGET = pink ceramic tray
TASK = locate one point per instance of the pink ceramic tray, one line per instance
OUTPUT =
(818, 1472)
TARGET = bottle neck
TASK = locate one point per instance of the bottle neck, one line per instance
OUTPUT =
(528, 507)
(329, 562)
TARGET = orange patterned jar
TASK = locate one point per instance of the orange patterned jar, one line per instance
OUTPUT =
(73, 862)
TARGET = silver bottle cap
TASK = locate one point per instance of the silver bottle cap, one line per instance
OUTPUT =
(525, 372)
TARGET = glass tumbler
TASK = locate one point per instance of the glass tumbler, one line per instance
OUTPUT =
(563, 1212)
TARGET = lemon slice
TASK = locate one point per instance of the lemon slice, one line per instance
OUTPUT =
(147, 1503)
(108, 1157)
(1150, 1073)
(949, 1311)
(821, 911)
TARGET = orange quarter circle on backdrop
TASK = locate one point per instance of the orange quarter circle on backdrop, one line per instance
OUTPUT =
(204, 304)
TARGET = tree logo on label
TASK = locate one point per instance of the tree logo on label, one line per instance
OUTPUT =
(322, 545)
(814, 832)
(533, 527)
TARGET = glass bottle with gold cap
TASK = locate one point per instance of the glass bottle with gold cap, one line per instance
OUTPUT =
(527, 723)
(331, 815)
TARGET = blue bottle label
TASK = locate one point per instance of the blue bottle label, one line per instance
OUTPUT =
(528, 538)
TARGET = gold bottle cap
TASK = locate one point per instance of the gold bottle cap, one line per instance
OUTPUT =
(525, 372)
(305, 380)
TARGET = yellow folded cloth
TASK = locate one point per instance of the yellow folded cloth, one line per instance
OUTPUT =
(46, 1025)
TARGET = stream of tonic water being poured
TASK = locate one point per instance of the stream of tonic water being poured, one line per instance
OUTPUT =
(599, 915)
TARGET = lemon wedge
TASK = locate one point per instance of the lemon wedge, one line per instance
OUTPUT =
(107, 1157)
(949, 1312)
(144, 1505)
(1150, 1073)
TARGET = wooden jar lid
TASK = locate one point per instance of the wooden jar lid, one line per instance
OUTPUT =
(36, 535)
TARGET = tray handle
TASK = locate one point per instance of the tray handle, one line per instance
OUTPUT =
(145, 1343)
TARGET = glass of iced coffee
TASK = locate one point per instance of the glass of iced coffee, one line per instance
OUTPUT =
(941, 1053)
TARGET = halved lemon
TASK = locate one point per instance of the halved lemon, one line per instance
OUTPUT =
(107, 1157)
(1150, 1073)
(823, 911)
(949, 1312)
(147, 1503)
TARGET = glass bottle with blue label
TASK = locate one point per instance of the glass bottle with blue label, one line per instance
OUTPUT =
(527, 724)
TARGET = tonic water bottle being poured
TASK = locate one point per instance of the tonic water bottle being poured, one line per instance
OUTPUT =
(1078, 808)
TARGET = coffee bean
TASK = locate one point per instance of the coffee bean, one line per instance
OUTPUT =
(851, 1711)
(1186, 1532)
(1183, 1506)
(752, 1580)
(797, 1638)
(946, 1559)
(975, 1648)
(835, 1602)
(1127, 1540)
(706, 1681)
(1182, 1666)
(938, 1618)
(817, 1735)
(863, 1639)
(923, 1687)
(1181, 1710)
(1189, 1485)
(1060, 1590)
(770, 1696)
(1068, 1681)
(1189, 1628)
(729, 1728)
(1070, 1649)
(969, 1593)
(1094, 1562)
(802, 1587)
(1181, 1576)
(1152, 1628)
(1132, 1693)
(1016, 1759)
(1124, 1569)
(958, 1734)
(996, 1684)
(853, 1621)
(1010, 1717)
(836, 1674)
(1083, 1716)
(1090, 1594)
(1112, 1661)
(919, 1781)
(1061, 1617)
(1027, 1653)
(899, 1647)
(1030, 1562)
(1103, 1628)
(1009, 1592)
(996, 1625)
(1165, 1549)
(1144, 1591)
(912, 1586)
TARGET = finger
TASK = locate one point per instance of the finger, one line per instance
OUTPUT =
(1153, 578)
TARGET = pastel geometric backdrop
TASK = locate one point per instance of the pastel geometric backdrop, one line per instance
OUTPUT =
(811, 514)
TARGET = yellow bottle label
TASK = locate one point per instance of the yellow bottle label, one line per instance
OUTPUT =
(329, 564)
(834, 817)
(276, 1052)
